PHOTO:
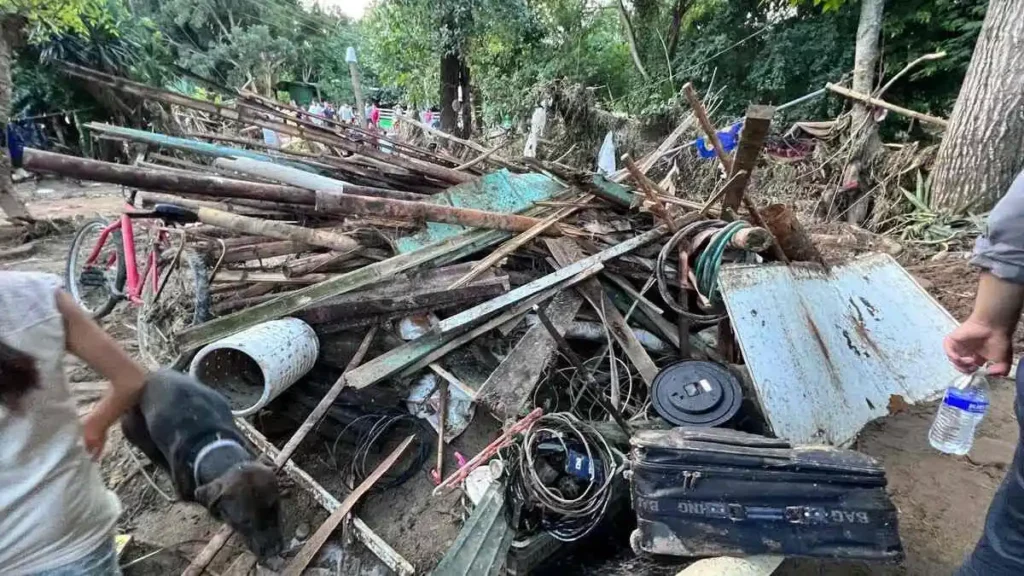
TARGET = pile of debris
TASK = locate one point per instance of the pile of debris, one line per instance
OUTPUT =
(368, 286)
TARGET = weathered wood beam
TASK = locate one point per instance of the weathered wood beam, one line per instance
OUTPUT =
(381, 549)
(509, 386)
(420, 353)
(294, 301)
(566, 253)
(755, 131)
(319, 538)
(524, 291)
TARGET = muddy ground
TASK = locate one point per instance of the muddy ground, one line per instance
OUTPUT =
(941, 499)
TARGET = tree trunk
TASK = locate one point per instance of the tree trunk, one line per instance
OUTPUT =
(466, 108)
(981, 152)
(477, 99)
(450, 65)
(865, 59)
(673, 31)
(631, 40)
(851, 201)
(9, 203)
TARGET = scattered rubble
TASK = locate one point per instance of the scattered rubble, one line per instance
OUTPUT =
(457, 291)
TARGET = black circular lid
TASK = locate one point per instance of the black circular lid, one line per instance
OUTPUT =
(696, 393)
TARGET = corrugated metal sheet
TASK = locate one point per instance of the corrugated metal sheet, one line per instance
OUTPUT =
(826, 351)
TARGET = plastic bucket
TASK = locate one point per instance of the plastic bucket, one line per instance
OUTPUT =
(253, 367)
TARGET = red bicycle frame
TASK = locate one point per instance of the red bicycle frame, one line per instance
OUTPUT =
(135, 283)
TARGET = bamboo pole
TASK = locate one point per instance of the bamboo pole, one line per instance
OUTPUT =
(275, 229)
(294, 128)
(402, 210)
(879, 103)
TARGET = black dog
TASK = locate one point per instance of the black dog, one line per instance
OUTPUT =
(187, 429)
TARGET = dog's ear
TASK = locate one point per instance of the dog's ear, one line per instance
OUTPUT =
(209, 495)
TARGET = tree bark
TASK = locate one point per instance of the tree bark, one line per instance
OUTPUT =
(980, 153)
(865, 58)
(865, 141)
(673, 31)
(477, 99)
(450, 65)
(631, 40)
(10, 204)
(466, 109)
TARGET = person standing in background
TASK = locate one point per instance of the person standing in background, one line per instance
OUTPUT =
(316, 110)
(56, 516)
(374, 116)
(345, 112)
(987, 336)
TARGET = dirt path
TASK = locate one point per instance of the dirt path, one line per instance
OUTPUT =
(942, 500)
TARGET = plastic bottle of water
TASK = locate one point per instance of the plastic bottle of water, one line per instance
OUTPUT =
(959, 414)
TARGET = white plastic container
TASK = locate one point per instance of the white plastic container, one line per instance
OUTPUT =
(255, 366)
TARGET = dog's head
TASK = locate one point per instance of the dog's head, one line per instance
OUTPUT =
(247, 499)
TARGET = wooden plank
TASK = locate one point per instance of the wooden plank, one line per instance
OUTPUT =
(312, 546)
(755, 129)
(510, 384)
(326, 402)
(481, 310)
(566, 252)
(420, 353)
(453, 381)
(727, 163)
(297, 300)
(421, 291)
(381, 549)
(514, 244)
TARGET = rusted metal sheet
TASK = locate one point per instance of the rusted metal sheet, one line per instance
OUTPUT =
(827, 351)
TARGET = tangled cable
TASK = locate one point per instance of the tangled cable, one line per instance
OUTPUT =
(561, 476)
(370, 430)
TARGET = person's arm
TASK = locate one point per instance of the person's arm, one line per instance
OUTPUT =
(986, 336)
(85, 339)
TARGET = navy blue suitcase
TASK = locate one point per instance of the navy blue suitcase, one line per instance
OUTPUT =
(714, 492)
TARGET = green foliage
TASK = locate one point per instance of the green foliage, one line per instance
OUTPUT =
(825, 5)
(769, 51)
(924, 224)
(48, 17)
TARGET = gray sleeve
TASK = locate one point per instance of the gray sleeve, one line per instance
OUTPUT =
(1000, 250)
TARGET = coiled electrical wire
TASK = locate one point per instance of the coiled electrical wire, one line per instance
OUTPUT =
(566, 518)
(370, 431)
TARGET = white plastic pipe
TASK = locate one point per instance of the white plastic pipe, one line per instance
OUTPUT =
(255, 366)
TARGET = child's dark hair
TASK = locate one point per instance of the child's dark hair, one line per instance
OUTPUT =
(18, 376)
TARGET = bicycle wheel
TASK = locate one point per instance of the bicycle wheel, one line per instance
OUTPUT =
(183, 303)
(96, 287)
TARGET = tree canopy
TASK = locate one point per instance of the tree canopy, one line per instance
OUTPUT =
(632, 56)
